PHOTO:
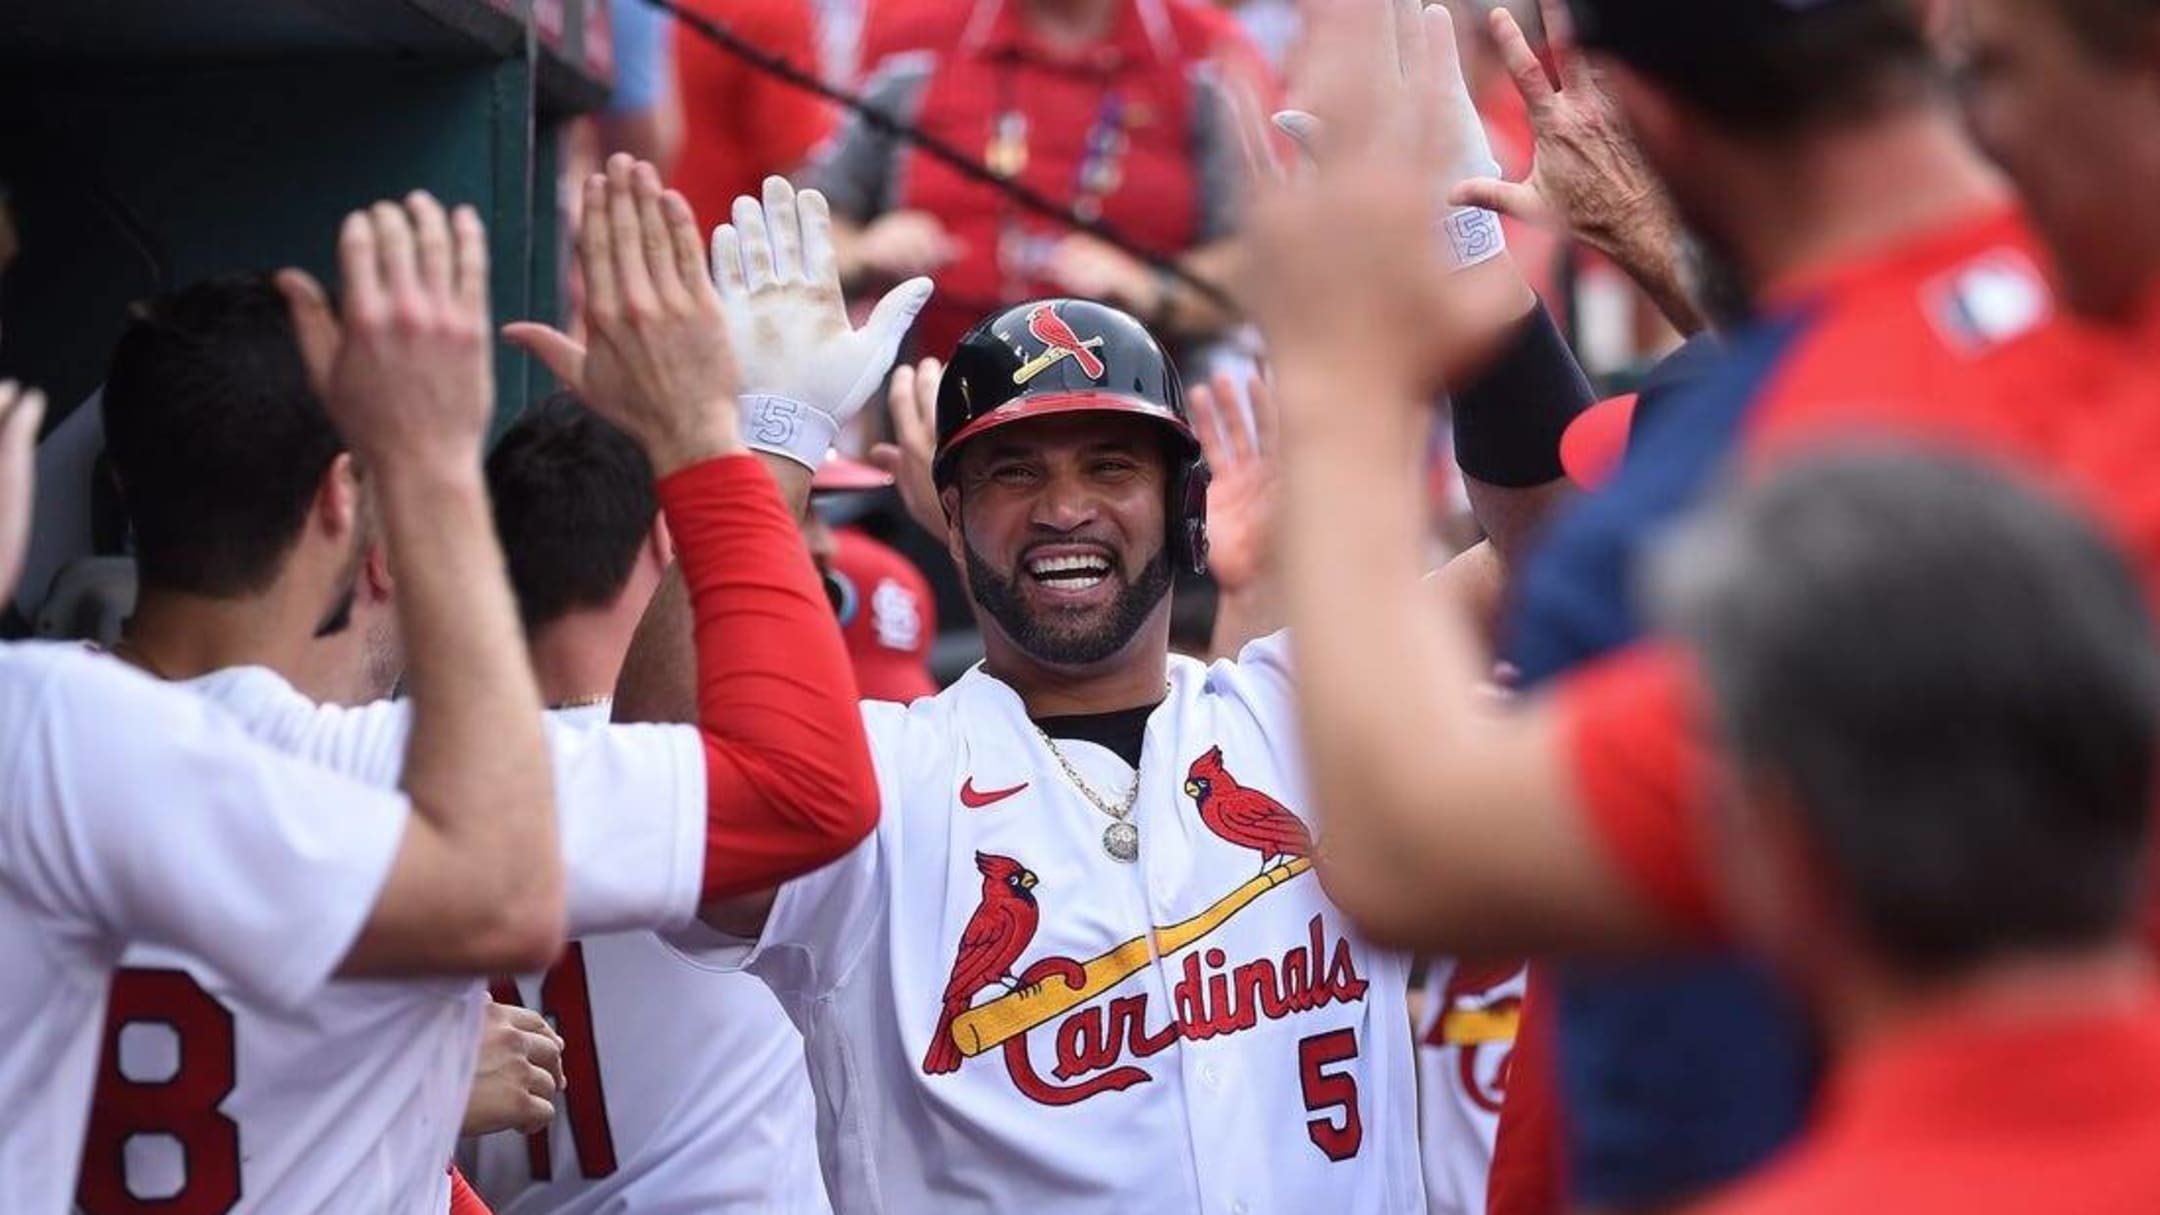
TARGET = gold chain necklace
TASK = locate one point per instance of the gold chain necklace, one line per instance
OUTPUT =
(582, 702)
(1121, 839)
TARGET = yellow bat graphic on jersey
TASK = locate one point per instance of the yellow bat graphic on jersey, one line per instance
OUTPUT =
(1013, 1014)
(1479, 1026)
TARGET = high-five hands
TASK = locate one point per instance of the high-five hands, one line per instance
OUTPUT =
(1239, 443)
(1348, 281)
(1428, 71)
(805, 370)
(912, 398)
(660, 364)
(1587, 179)
(407, 368)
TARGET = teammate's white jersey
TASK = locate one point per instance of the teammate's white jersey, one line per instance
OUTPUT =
(134, 812)
(687, 1089)
(1464, 1048)
(353, 1102)
(1199, 1031)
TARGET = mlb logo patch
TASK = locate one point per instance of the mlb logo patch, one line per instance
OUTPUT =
(1985, 303)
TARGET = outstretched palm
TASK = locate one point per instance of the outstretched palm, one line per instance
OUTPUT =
(1240, 447)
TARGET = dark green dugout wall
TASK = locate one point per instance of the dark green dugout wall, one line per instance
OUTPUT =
(149, 143)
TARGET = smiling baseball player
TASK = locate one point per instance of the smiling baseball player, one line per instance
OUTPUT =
(1086, 964)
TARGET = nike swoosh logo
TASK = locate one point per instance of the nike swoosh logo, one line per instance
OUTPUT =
(976, 801)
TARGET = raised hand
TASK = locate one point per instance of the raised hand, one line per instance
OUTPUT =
(1240, 448)
(912, 398)
(1346, 274)
(1587, 178)
(806, 371)
(660, 364)
(21, 410)
(1428, 71)
(408, 371)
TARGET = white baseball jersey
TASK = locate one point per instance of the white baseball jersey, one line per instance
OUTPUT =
(1199, 1030)
(353, 1102)
(133, 812)
(687, 1091)
(1464, 1051)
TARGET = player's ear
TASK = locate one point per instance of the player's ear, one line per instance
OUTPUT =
(660, 541)
(955, 542)
(337, 504)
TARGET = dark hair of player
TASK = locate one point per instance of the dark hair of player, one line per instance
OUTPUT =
(1835, 64)
(217, 438)
(574, 498)
(1954, 680)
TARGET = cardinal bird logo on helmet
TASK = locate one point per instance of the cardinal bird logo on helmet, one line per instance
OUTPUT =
(1059, 343)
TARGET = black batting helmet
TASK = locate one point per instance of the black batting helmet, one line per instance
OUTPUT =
(1067, 356)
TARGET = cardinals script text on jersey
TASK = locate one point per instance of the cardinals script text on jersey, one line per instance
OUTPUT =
(999, 1015)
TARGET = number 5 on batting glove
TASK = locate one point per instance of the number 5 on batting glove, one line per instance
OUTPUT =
(805, 370)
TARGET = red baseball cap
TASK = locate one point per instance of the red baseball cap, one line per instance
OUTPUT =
(1592, 445)
(886, 616)
(841, 475)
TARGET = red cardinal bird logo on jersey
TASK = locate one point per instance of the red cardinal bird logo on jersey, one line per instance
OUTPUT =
(1245, 817)
(1059, 343)
(995, 935)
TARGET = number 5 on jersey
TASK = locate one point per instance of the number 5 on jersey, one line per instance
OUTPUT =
(1327, 1091)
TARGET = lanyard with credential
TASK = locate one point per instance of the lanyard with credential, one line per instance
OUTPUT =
(1099, 174)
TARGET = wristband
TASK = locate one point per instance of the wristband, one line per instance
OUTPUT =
(1508, 422)
(1473, 236)
(783, 427)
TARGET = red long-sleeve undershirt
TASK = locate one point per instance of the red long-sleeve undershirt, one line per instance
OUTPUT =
(789, 785)
(462, 1199)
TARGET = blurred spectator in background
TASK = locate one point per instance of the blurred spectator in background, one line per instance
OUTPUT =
(740, 124)
(1113, 108)
(884, 603)
(1938, 833)
(644, 116)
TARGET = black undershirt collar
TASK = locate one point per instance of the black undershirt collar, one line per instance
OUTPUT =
(1121, 732)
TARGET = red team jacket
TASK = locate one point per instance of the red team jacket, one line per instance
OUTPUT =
(1946, 339)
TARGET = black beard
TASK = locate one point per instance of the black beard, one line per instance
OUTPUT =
(1713, 277)
(1000, 596)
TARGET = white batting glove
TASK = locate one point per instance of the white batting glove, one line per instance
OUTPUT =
(805, 370)
(1472, 234)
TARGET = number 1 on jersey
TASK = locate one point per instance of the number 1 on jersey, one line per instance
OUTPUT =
(565, 1001)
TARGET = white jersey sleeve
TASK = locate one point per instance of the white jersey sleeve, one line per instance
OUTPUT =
(631, 798)
(162, 821)
(819, 924)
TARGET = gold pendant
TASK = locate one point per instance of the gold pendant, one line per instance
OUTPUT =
(1122, 841)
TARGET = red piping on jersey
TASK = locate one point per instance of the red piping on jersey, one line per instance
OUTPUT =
(789, 785)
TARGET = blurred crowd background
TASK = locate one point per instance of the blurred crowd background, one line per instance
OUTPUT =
(1081, 100)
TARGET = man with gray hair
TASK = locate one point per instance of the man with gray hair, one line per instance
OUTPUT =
(1938, 692)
